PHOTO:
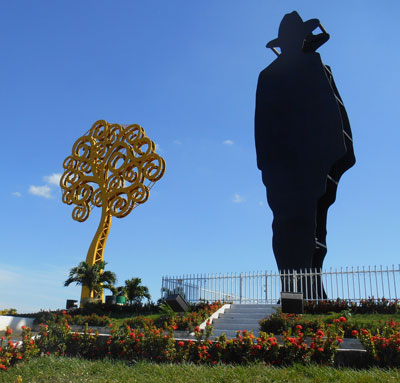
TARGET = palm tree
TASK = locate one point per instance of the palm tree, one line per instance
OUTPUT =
(93, 277)
(135, 292)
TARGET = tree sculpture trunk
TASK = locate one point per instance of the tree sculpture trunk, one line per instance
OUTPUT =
(96, 250)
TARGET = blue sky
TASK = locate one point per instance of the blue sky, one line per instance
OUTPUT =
(187, 72)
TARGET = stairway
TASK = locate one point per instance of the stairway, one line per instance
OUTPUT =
(241, 317)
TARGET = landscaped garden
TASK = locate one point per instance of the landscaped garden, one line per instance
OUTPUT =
(149, 338)
(147, 333)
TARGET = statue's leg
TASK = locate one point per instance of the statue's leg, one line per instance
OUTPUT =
(321, 249)
(293, 239)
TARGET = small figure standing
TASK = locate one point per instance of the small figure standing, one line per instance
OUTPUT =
(303, 143)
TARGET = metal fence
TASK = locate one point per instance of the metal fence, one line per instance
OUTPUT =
(349, 283)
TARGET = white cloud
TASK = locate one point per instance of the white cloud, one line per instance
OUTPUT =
(45, 190)
(158, 148)
(17, 194)
(237, 198)
(228, 142)
(53, 179)
(41, 191)
(177, 142)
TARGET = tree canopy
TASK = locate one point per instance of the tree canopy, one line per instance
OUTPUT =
(93, 277)
(135, 292)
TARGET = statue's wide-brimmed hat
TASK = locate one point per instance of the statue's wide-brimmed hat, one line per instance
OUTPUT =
(293, 24)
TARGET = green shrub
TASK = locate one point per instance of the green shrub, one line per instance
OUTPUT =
(77, 319)
(8, 312)
(365, 306)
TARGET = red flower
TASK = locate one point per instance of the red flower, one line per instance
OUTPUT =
(319, 333)
(354, 333)
(320, 349)
(9, 331)
(343, 319)
(364, 331)
(181, 344)
(299, 327)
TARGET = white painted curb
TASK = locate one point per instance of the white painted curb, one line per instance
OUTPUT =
(15, 323)
(219, 312)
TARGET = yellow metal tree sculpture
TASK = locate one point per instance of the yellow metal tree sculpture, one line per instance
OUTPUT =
(113, 167)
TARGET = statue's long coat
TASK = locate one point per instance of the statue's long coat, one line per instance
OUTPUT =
(299, 123)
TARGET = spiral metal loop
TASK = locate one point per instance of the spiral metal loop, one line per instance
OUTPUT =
(109, 166)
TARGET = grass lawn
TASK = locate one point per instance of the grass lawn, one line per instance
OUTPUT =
(118, 319)
(75, 370)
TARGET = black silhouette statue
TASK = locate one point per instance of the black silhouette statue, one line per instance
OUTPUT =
(304, 145)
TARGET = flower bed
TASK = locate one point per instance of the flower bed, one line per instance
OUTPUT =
(146, 341)
(383, 347)
(186, 321)
(57, 316)
(365, 306)
(278, 323)
(11, 354)
(381, 340)
(155, 344)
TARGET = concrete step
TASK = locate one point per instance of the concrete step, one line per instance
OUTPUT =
(248, 314)
(254, 306)
(241, 317)
(237, 326)
(220, 321)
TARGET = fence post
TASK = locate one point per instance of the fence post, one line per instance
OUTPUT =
(240, 287)
(266, 287)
